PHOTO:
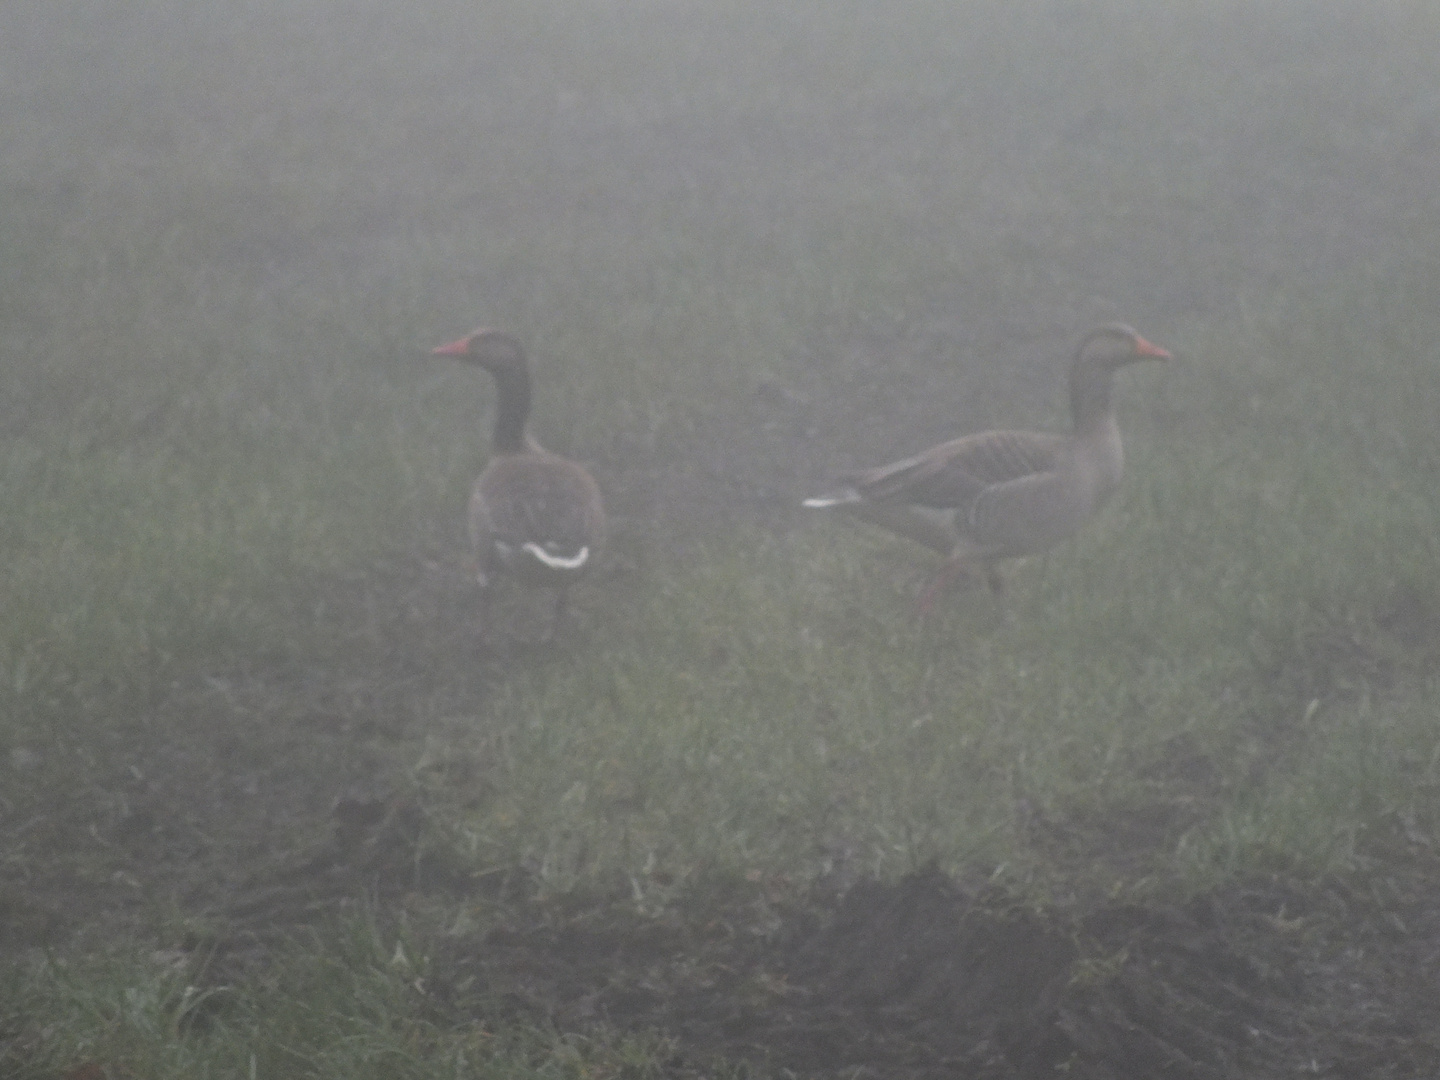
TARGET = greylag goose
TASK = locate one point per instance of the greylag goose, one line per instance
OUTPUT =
(1003, 494)
(533, 515)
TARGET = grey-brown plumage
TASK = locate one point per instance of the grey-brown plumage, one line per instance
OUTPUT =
(1002, 494)
(534, 515)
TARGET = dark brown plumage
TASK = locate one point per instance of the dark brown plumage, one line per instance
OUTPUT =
(534, 515)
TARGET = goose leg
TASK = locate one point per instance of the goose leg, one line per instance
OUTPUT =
(483, 606)
(562, 605)
(941, 582)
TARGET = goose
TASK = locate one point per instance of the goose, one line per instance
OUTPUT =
(533, 515)
(997, 495)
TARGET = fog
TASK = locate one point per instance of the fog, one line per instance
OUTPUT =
(889, 222)
(1038, 166)
(749, 246)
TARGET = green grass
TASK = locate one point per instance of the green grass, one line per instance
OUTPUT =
(219, 420)
(351, 1004)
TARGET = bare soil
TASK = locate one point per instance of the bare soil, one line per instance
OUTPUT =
(252, 842)
(925, 977)
(267, 797)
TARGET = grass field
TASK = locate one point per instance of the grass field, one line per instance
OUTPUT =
(748, 247)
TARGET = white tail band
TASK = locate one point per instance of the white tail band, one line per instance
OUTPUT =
(840, 498)
(558, 562)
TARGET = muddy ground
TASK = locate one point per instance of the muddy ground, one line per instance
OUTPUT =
(251, 844)
(268, 797)
(925, 977)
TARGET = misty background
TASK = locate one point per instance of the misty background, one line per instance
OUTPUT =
(810, 235)
(748, 245)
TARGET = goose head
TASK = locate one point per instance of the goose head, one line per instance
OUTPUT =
(501, 355)
(1102, 352)
(492, 350)
(1114, 345)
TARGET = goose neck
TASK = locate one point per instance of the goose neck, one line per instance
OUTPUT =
(512, 410)
(1091, 408)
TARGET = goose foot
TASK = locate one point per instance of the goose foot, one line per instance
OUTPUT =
(952, 571)
(557, 614)
(940, 584)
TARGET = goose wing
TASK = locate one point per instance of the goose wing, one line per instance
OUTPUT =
(955, 474)
(1027, 514)
(541, 503)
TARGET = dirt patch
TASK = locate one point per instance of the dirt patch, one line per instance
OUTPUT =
(927, 977)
